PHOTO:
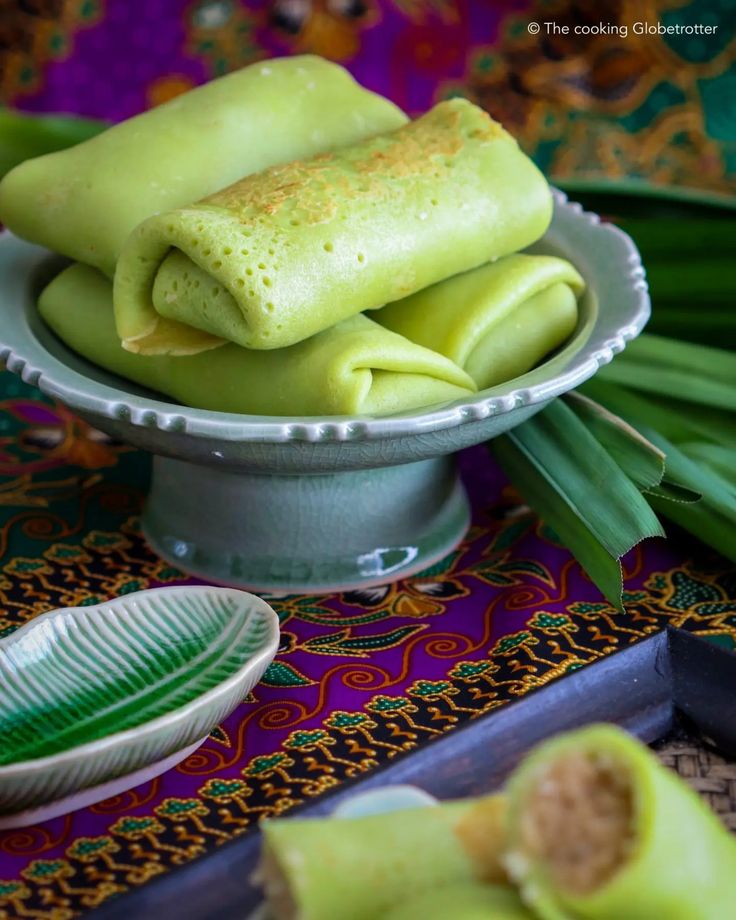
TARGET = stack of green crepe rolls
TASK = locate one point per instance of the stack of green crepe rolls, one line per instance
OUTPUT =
(591, 827)
(283, 242)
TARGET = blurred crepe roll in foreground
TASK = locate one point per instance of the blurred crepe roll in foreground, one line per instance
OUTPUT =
(497, 321)
(473, 901)
(84, 201)
(361, 868)
(353, 368)
(287, 252)
(599, 829)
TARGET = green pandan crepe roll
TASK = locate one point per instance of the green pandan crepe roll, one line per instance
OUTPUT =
(496, 321)
(355, 367)
(361, 868)
(599, 829)
(285, 253)
(84, 201)
(471, 901)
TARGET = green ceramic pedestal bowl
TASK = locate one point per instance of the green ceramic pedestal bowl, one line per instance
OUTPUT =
(318, 504)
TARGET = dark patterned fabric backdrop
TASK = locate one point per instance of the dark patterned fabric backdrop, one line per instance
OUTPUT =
(616, 104)
(361, 677)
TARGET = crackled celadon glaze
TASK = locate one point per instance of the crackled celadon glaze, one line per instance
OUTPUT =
(123, 685)
(246, 465)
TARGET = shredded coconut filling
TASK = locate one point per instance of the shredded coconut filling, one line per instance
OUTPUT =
(579, 821)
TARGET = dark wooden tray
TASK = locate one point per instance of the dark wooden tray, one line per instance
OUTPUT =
(670, 683)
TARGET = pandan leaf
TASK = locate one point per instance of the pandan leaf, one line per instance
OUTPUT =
(722, 460)
(663, 380)
(704, 522)
(642, 462)
(716, 491)
(23, 135)
(711, 363)
(677, 421)
(579, 490)
(674, 492)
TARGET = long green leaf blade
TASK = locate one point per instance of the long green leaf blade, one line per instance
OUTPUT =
(664, 380)
(711, 363)
(577, 488)
(641, 460)
(674, 419)
(703, 522)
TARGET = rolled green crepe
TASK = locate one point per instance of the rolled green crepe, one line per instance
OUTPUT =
(354, 368)
(599, 829)
(473, 901)
(285, 253)
(334, 868)
(84, 201)
(496, 321)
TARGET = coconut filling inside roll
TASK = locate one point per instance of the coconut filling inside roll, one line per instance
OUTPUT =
(578, 822)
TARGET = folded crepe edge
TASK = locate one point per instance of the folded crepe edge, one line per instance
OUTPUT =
(479, 322)
(363, 376)
(156, 339)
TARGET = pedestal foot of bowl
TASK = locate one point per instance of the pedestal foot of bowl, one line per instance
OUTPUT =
(305, 533)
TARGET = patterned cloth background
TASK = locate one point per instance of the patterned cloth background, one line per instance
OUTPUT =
(361, 677)
(616, 104)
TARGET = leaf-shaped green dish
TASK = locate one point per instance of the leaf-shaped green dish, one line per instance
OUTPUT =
(94, 693)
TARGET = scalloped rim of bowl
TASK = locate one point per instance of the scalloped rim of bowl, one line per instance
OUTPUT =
(261, 659)
(25, 356)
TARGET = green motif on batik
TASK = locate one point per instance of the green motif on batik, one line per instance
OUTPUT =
(341, 720)
(46, 869)
(133, 828)
(382, 704)
(470, 671)
(689, 592)
(281, 674)
(219, 734)
(263, 765)
(85, 848)
(429, 688)
(178, 808)
(343, 643)
(584, 607)
(13, 889)
(443, 567)
(305, 610)
(663, 96)
(727, 642)
(513, 572)
(169, 573)
(223, 789)
(21, 566)
(511, 533)
(513, 642)
(305, 739)
(552, 621)
(697, 49)
(62, 553)
(106, 541)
